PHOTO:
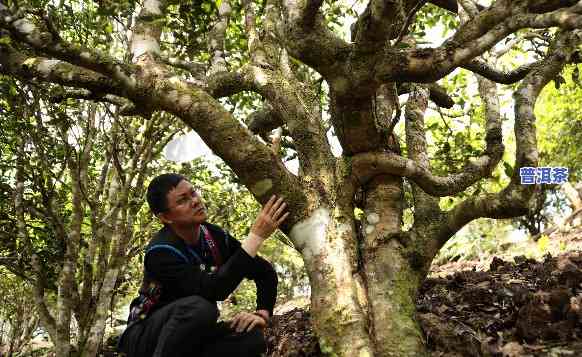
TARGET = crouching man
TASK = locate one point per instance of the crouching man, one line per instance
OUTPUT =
(188, 266)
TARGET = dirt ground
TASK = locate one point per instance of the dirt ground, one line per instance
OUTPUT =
(506, 307)
(522, 307)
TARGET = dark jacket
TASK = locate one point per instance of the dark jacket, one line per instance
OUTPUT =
(180, 277)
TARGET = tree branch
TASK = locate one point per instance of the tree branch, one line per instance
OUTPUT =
(541, 6)
(196, 69)
(54, 71)
(367, 165)
(291, 103)
(126, 107)
(382, 21)
(48, 320)
(255, 45)
(146, 32)
(497, 53)
(225, 84)
(386, 109)
(257, 166)
(471, 40)
(450, 5)
(262, 121)
(216, 39)
(484, 69)
(425, 206)
(307, 37)
(44, 41)
(438, 94)
(298, 109)
(514, 199)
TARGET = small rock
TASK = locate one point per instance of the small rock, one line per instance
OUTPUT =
(512, 349)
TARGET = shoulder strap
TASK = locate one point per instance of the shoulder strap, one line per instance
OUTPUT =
(170, 248)
(212, 245)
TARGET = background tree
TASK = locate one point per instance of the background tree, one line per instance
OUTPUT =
(185, 58)
(77, 191)
(560, 128)
(564, 127)
(18, 319)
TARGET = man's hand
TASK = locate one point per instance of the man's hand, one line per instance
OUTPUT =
(271, 216)
(244, 321)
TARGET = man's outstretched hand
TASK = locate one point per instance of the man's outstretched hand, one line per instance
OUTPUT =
(270, 217)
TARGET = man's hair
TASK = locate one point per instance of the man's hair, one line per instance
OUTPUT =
(158, 190)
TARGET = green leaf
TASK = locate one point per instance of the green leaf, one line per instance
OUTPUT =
(558, 81)
(543, 243)
(508, 169)
(576, 75)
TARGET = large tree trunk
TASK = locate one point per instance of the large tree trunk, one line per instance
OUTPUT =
(327, 243)
(391, 281)
(362, 300)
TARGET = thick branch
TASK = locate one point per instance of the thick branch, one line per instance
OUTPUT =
(225, 84)
(312, 42)
(310, 11)
(299, 111)
(438, 94)
(54, 71)
(381, 21)
(386, 109)
(471, 40)
(417, 168)
(194, 68)
(264, 120)
(484, 69)
(450, 5)
(257, 166)
(26, 31)
(426, 207)
(257, 53)
(303, 12)
(290, 103)
(493, 132)
(216, 38)
(572, 195)
(147, 30)
(367, 165)
(415, 131)
(541, 6)
(47, 318)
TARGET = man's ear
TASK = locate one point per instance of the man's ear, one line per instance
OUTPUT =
(164, 218)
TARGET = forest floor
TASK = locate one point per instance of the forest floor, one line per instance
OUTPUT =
(512, 307)
(506, 305)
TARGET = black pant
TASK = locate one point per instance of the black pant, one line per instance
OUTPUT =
(188, 328)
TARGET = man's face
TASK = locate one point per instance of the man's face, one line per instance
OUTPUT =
(185, 206)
